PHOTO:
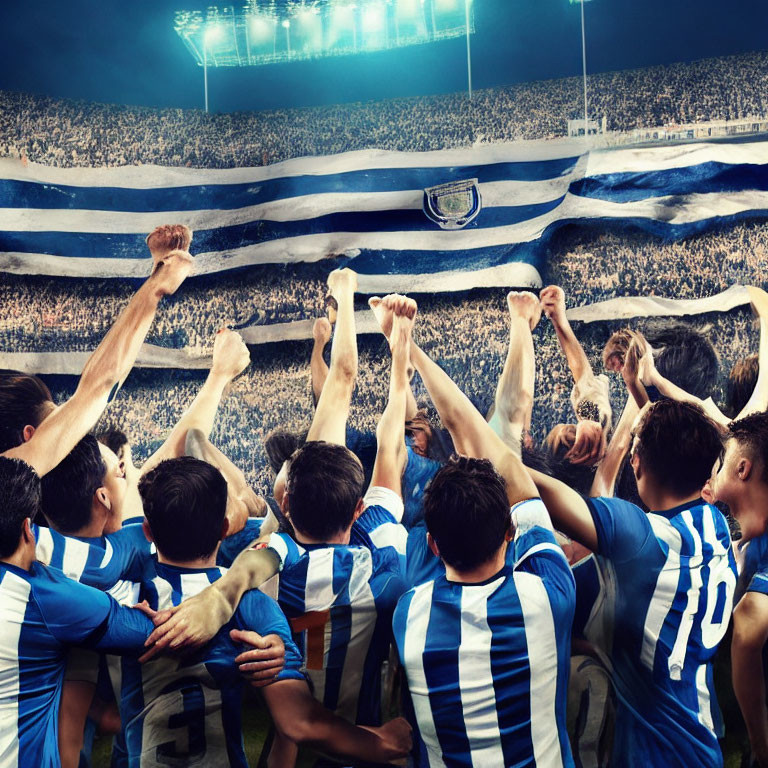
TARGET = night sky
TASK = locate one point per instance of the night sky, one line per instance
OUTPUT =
(101, 50)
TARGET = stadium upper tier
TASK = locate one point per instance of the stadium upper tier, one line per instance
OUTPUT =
(67, 133)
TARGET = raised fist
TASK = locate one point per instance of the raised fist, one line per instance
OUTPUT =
(524, 304)
(230, 355)
(341, 280)
(171, 271)
(321, 330)
(169, 237)
(553, 303)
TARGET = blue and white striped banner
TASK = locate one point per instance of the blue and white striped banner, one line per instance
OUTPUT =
(367, 206)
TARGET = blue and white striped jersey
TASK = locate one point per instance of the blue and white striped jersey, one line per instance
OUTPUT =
(233, 545)
(42, 613)
(487, 664)
(339, 599)
(187, 711)
(673, 575)
(419, 470)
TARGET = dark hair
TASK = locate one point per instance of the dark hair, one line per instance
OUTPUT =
(281, 444)
(741, 384)
(185, 503)
(687, 357)
(22, 402)
(19, 499)
(467, 512)
(113, 438)
(69, 487)
(324, 485)
(752, 432)
(678, 445)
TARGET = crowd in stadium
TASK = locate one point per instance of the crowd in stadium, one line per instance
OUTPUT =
(66, 133)
(425, 578)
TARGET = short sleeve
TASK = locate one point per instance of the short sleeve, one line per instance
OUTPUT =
(287, 550)
(260, 613)
(385, 498)
(759, 583)
(232, 546)
(622, 528)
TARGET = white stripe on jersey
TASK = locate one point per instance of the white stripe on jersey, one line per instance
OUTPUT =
(164, 593)
(415, 641)
(14, 596)
(125, 592)
(665, 590)
(319, 596)
(702, 690)
(193, 584)
(676, 660)
(390, 535)
(536, 548)
(542, 659)
(108, 552)
(44, 545)
(476, 677)
(719, 572)
(363, 623)
(75, 558)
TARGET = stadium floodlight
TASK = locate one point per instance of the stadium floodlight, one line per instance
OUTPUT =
(228, 37)
(583, 64)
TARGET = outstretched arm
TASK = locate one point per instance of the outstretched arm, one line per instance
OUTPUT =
(330, 419)
(750, 632)
(553, 304)
(758, 401)
(604, 481)
(390, 431)
(230, 359)
(514, 392)
(105, 370)
(471, 434)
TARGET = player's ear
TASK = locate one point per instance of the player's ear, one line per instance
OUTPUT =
(432, 544)
(147, 531)
(102, 496)
(27, 433)
(744, 468)
(285, 507)
(359, 508)
(27, 533)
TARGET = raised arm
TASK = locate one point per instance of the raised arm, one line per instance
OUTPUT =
(330, 419)
(471, 434)
(106, 369)
(513, 405)
(230, 359)
(758, 401)
(553, 304)
(390, 431)
(604, 481)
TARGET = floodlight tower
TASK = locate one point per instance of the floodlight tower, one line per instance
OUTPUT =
(469, 51)
(583, 63)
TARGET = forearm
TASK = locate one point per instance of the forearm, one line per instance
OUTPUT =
(749, 687)
(637, 392)
(571, 347)
(673, 392)
(604, 482)
(249, 570)
(758, 400)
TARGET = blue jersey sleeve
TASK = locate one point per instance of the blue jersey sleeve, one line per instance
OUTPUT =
(260, 613)
(233, 545)
(759, 582)
(130, 555)
(622, 528)
(380, 522)
(421, 563)
(76, 614)
(287, 550)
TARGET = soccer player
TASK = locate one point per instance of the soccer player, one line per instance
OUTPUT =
(341, 572)
(673, 577)
(486, 645)
(185, 711)
(741, 482)
(43, 611)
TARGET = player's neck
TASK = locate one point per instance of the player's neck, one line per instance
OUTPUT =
(340, 538)
(22, 558)
(200, 563)
(751, 510)
(659, 500)
(480, 574)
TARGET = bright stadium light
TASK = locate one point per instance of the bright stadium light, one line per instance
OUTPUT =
(236, 37)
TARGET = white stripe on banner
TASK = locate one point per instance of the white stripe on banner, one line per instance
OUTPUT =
(158, 177)
(542, 659)
(14, 597)
(478, 699)
(151, 356)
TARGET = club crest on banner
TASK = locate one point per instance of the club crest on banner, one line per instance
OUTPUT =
(453, 205)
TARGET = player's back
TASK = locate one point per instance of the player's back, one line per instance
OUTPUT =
(487, 664)
(42, 614)
(339, 600)
(673, 576)
(188, 711)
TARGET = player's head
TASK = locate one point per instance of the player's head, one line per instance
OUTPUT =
(615, 349)
(24, 402)
(19, 502)
(280, 444)
(467, 512)
(323, 490)
(86, 489)
(741, 384)
(185, 504)
(674, 447)
(117, 442)
(740, 479)
(419, 430)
